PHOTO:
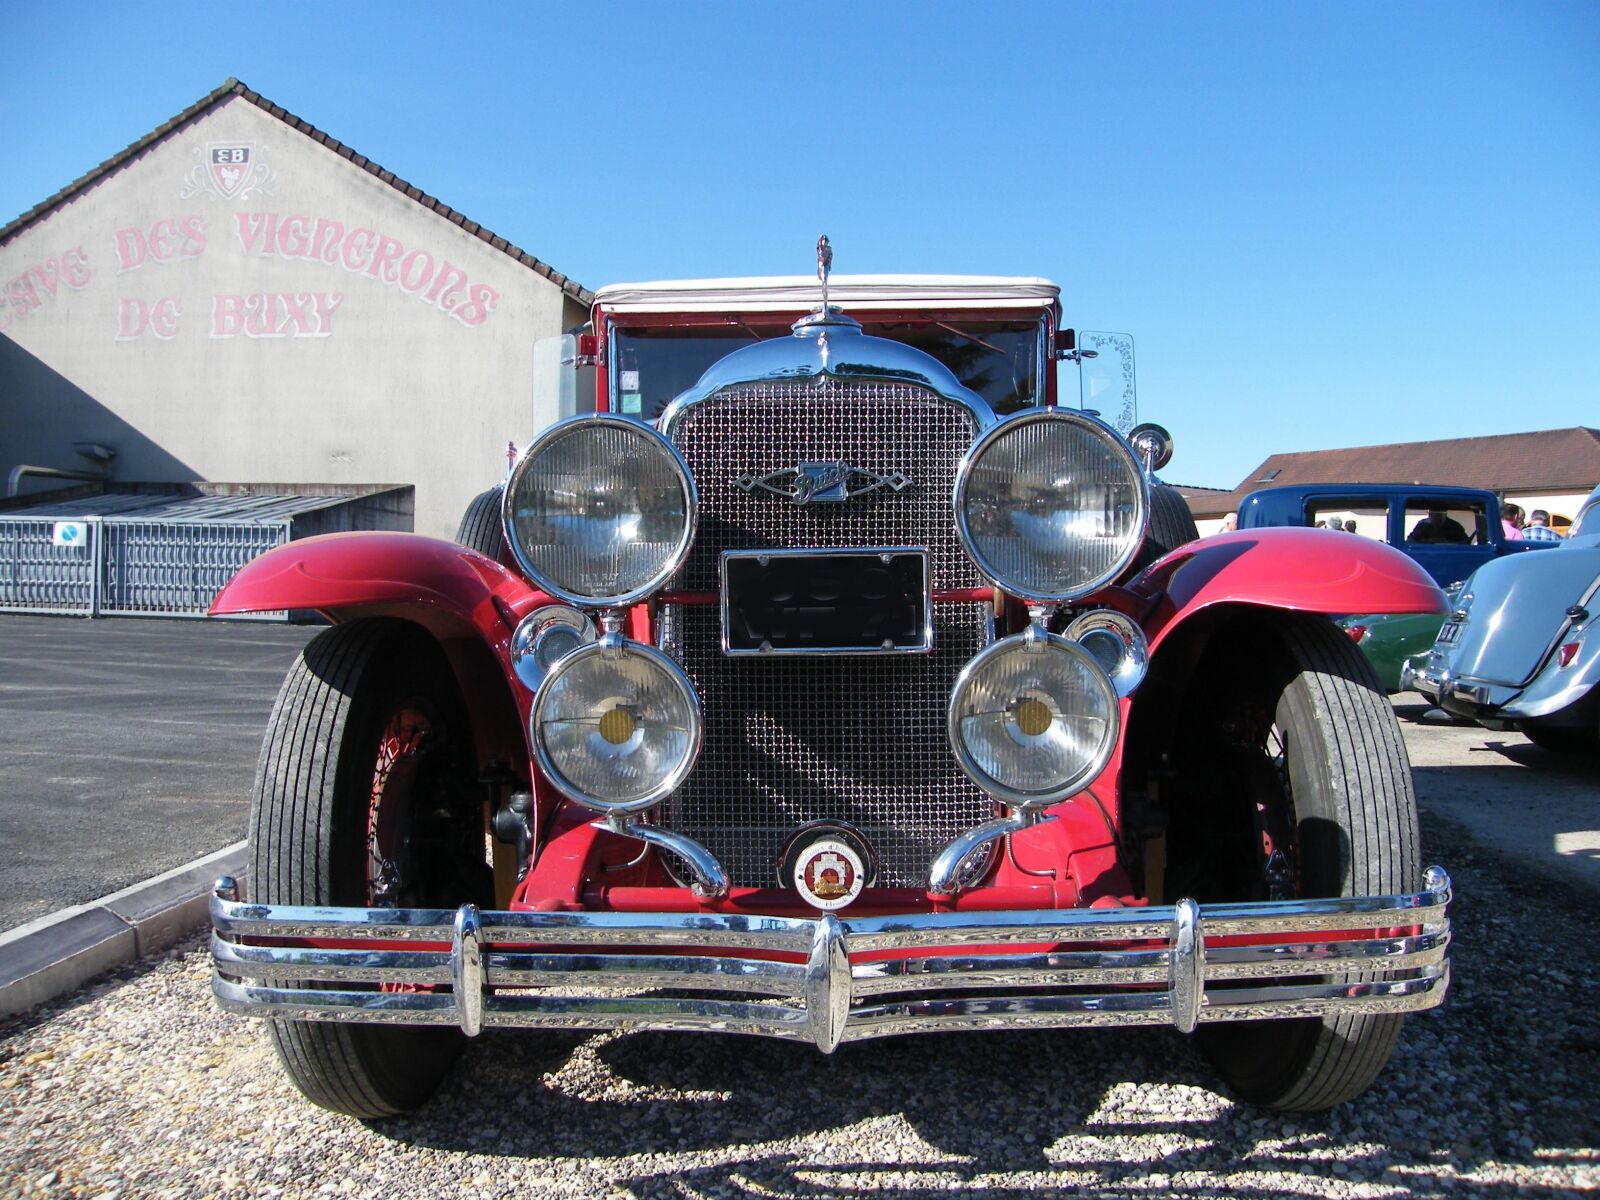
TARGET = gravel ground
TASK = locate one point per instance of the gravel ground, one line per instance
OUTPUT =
(140, 1087)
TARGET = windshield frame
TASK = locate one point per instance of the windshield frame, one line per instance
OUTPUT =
(876, 323)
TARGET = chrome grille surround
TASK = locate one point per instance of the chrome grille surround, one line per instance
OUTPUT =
(800, 739)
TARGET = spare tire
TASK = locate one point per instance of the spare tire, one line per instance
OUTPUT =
(1171, 525)
(480, 527)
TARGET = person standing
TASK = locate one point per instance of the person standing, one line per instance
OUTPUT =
(1511, 521)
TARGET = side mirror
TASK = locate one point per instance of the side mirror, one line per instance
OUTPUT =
(1153, 446)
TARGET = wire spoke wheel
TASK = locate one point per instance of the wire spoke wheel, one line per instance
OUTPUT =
(1299, 787)
(364, 797)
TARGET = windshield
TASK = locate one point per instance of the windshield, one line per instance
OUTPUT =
(997, 359)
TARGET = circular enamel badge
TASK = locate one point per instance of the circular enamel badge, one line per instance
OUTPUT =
(829, 874)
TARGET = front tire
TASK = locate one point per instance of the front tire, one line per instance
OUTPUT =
(1171, 525)
(1311, 743)
(363, 797)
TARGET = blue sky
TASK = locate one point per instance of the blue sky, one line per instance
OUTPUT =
(1324, 225)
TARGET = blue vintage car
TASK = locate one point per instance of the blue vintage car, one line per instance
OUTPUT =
(1449, 531)
(1521, 650)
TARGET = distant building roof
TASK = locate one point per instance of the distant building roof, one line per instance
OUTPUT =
(234, 88)
(1551, 460)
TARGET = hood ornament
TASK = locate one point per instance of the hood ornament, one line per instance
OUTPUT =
(819, 322)
(823, 482)
(824, 267)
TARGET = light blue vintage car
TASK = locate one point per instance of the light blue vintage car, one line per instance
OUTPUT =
(1521, 650)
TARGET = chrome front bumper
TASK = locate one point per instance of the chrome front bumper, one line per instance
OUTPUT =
(1181, 964)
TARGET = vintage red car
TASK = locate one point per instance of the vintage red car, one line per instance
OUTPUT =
(835, 678)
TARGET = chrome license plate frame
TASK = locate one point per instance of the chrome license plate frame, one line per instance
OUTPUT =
(805, 602)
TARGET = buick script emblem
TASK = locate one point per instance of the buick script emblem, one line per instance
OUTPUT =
(824, 482)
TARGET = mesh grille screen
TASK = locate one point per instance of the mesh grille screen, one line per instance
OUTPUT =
(794, 740)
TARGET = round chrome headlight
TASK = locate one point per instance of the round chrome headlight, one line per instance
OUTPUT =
(616, 725)
(600, 510)
(1051, 505)
(1033, 719)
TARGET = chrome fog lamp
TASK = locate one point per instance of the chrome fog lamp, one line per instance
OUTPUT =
(1115, 641)
(616, 725)
(600, 510)
(544, 637)
(1051, 505)
(1033, 719)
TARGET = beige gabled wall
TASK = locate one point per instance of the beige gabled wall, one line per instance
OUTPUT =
(240, 303)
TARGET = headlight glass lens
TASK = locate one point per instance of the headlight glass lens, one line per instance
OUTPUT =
(616, 726)
(1051, 505)
(600, 510)
(1033, 719)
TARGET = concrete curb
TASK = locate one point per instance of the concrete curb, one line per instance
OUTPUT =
(55, 954)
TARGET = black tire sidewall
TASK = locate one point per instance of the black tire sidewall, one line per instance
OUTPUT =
(309, 841)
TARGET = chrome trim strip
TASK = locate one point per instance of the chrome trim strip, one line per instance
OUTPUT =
(1158, 965)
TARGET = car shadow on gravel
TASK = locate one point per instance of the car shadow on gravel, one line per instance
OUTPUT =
(1501, 1082)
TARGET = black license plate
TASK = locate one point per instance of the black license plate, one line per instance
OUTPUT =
(826, 602)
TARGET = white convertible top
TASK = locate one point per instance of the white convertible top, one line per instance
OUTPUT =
(788, 293)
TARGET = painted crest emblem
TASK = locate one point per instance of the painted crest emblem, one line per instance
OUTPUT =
(228, 171)
(829, 874)
(230, 168)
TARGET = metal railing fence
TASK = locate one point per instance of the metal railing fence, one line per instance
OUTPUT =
(125, 566)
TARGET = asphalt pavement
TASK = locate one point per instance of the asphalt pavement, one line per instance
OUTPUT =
(127, 748)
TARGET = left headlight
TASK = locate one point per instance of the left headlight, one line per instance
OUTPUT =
(1051, 505)
(1033, 719)
(600, 510)
(616, 725)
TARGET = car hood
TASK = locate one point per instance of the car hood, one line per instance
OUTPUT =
(1516, 609)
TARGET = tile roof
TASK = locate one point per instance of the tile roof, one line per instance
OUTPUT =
(234, 88)
(1550, 460)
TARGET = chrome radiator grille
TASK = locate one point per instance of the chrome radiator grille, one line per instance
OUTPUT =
(858, 739)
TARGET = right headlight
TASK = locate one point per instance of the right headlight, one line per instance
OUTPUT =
(600, 510)
(616, 725)
(1051, 505)
(1033, 719)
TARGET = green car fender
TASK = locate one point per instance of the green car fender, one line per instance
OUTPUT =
(1388, 639)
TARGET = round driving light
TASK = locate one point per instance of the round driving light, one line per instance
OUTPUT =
(600, 510)
(1051, 505)
(616, 725)
(1033, 719)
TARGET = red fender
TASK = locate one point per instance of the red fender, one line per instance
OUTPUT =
(447, 587)
(467, 602)
(1300, 570)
